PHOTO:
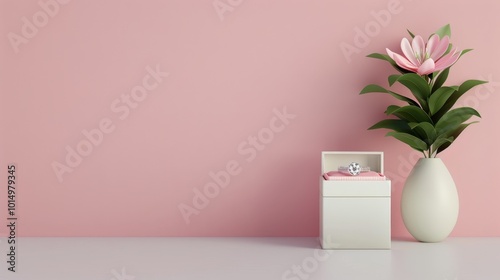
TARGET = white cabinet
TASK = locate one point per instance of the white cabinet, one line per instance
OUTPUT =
(355, 213)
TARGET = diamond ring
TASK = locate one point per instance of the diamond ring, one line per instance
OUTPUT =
(354, 168)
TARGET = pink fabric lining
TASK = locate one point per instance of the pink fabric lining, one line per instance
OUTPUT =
(342, 176)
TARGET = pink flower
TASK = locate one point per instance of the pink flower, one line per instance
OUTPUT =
(424, 58)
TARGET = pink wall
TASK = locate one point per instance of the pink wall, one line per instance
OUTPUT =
(267, 70)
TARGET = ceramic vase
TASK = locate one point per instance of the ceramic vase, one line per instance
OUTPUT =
(429, 204)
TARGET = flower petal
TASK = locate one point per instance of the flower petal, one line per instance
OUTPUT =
(448, 60)
(408, 51)
(427, 67)
(404, 63)
(432, 44)
(390, 53)
(418, 46)
(439, 48)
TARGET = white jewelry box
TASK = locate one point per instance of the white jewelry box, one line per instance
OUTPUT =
(355, 214)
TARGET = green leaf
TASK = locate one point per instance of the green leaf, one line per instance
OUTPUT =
(396, 125)
(411, 34)
(418, 87)
(373, 88)
(463, 88)
(455, 133)
(409, 139)
(467, 85)
(444, 31)
(377, 88)
(431, 75)
(441, 142)
(464, 52)
(411, 114)
(388, 59)
(452, 119)
(439, 98)
(391, 109)
(441, 79)
(393, 78)
(425, 131)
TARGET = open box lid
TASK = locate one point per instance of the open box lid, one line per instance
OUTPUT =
(331, 161)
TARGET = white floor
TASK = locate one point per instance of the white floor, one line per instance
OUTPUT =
(246, 258)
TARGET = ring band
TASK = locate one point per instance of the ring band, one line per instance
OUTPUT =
(354, 169)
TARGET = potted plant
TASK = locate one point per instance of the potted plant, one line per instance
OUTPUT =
(428, 122)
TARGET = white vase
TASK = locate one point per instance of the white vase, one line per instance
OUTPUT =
(429, 204)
